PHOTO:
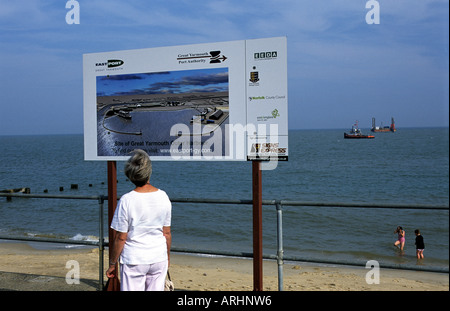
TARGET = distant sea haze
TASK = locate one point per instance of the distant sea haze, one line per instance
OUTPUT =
(410, 166)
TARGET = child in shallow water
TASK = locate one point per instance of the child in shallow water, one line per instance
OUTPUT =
(401, 238)
(420, 245)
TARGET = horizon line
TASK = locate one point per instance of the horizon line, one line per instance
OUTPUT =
(289, 129)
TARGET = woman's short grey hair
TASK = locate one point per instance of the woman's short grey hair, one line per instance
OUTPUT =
(138, 168)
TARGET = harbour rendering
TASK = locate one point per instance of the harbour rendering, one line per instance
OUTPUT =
(210, 109)
(146, 120)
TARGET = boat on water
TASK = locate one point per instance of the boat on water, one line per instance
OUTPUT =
(383, 129)
(124, 114)
(356, 133)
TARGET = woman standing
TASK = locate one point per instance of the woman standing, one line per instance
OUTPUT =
(141, 225)
(401, 238)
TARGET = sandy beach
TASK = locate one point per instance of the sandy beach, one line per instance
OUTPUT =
(199, 273)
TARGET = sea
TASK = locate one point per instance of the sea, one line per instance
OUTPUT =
(410, 166)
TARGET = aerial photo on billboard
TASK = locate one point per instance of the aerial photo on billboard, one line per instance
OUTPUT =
(140, 111)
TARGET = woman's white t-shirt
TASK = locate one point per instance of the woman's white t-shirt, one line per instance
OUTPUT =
(142, 216)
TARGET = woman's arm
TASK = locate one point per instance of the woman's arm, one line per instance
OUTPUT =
(168, 235)
(119, 241)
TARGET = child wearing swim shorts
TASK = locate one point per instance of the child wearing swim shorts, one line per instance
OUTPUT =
(420, 245)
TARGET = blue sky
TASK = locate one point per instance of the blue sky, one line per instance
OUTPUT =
(340, 69)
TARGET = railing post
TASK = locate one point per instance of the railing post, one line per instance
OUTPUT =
(280, 251)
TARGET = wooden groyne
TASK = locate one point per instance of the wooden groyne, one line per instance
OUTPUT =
(15, 190)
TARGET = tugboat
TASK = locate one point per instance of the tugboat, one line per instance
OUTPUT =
(355, 133)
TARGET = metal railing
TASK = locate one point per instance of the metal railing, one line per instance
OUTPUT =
(100, 243)
(279, 257)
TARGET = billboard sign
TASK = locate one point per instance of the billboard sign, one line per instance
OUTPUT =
(215, 101)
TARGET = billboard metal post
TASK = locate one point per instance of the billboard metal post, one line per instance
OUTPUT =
(112, 201)
(257, 226)
(112, 196)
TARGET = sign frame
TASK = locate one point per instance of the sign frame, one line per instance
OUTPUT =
(237, 91)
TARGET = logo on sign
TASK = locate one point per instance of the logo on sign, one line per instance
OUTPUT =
(275, 113)
(265, 55)
(111, 63)
(254, 76)
(114, 63)
(267, 148)
(214, 57)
